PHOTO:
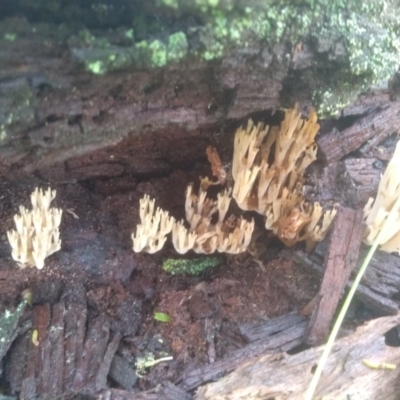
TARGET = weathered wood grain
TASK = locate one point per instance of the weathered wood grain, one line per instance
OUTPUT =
(345, 375)
(379, 286)
(376, 126)
(340, 260)
(277, 334)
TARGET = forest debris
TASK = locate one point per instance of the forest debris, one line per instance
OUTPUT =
(165, 391)
(122, 373)
(217, 166)
(378, 124)
(35, 378)
(263, 331)
(37, 235)
(172, 392)
(379, 286)
(94, 349)
(75, 320)
(291, 329)
(268, 376)
(274, 188)
(376, 211)
(148, 361)
(340, 260)
(351, 181)
(71, 354)
(102, 373)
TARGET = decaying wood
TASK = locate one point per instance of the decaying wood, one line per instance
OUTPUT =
(75, 330)
(350, 182)
(278, 334)
(345, 375)
(38, 356)
(367, 102)
(122, 373)
(165, 391)
(92, 356)
(73, 119)
(363, 176)
(65, 355)
(101, 377)
(115, 394)
(340, 260)
(379, 286)
(376, 126)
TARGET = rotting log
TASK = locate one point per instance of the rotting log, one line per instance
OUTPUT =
(122, 373)
(376, 126)
(286, 377)
(379, 286)
(165, 391)
(69, 112)
(350, 182)
(278, 334)
(367, 102)
(363, 176)
(66, 356)
(340, 260)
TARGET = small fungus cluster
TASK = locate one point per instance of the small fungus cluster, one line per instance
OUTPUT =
(226, 235)
(37, 235)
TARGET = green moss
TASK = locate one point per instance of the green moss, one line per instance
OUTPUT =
(331, 102)
(194, 266)
(129, 34)
(158, 53)
(96, 67)
(360, 40)
(170, 3)
(177, 47)
(100, 56)
(10, 37)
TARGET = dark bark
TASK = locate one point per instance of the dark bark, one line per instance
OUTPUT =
(122, 373)
(65, 356)
(340, 260)
(291, 329)
(375, 127)
(379, 286)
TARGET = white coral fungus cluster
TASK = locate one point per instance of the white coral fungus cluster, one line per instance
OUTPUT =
(151, 233)
(37, 235)
(268, 167)
(226, 235)
(376, 211)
